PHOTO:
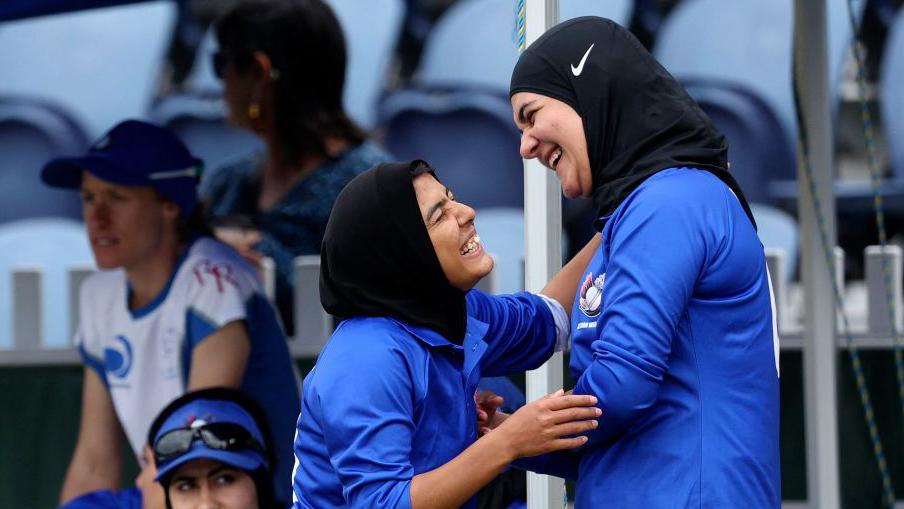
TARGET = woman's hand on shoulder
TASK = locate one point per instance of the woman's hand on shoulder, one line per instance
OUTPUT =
(243, 241)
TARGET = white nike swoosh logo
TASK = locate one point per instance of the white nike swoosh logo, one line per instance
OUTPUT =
(580, 68)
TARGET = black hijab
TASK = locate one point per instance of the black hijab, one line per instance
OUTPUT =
(637, 119)
(377, 258)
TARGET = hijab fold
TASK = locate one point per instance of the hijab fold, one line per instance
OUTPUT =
(638, 120)
(377, 258)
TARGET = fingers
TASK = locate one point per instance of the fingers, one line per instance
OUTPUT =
(574, 414)
(558, 400)
(567, 443)
(556, 394)
(575, 427)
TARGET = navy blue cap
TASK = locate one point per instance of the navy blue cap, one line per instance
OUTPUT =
(135, 153)
(200, 412)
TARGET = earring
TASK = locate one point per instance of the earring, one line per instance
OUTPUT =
(254, 110)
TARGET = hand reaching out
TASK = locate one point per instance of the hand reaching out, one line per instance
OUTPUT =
(488, 414)
(548, 424)
(243, 241)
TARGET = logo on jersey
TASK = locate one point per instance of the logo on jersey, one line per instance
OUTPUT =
(591, 300)
(118, 357)
(220, 272)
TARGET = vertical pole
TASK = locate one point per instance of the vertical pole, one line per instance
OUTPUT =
(820, 395)
(543, 246)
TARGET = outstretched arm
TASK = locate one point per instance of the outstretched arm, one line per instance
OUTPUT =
(538, 427)
(564, 284)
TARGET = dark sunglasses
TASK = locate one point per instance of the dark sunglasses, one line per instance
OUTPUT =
(219, 60)
(222, 436)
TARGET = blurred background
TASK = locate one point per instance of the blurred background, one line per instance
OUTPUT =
(429, 79)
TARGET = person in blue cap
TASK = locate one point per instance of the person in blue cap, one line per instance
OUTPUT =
(171, 310)
(212, 449)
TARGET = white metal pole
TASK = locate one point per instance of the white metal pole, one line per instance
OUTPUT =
(821, 411)
(543, 257)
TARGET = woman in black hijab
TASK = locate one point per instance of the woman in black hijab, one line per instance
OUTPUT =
(673, 327)
(388, 413)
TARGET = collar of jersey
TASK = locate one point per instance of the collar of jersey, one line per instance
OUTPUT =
(474, 331)
(151, 306)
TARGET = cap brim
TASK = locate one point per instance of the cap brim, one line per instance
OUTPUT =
(66, 172)
(247, 460)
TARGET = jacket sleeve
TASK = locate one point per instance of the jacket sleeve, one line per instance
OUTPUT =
(521, 332)
(368, 418)
(657, 250)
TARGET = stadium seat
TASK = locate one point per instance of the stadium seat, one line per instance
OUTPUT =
(501, 232)
(458, 115)
(778, 229)
(371, 35)
(747, 43)
(463, 134)
(31, 133)
(474, 43)
(53, 246)
(199, 121)
(892, 95)
(101, 65)
(758, 151)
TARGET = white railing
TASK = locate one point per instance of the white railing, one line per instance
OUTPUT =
(865, 304)
(31, 346)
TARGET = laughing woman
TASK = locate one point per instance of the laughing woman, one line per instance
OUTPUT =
(674, 330)
(388, 413)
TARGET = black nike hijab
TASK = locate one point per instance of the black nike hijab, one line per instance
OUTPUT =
(637, 118)
(377, 258)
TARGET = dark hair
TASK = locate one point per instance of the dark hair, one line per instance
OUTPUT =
(195, 225)
(305, 43)
(262, 477)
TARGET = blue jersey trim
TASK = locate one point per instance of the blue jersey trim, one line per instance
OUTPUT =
(94, 363)
(197, 329)
(151, 306)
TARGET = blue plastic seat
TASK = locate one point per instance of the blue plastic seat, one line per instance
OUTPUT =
(747, 43)
(468, 136)
(31, 133)
(777, 229)
(501, 233)
(101, 65)
(54, 246)
(474, 43)
(371, 35)
(758, 150)
(199, 121)
(458, 116)
(892, 95)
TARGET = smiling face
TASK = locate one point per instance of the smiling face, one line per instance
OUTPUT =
(553, 132)
(128, 227)
(206, 483)
(450, 225)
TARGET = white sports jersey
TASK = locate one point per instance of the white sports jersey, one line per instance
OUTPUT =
(144, 356)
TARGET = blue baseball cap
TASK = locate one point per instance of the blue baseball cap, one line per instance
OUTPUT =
(135, 153)
(200, 412)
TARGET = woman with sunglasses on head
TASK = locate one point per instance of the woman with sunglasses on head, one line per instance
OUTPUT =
(388, 416)
(212, 449)
(673, 327)
(282, 63)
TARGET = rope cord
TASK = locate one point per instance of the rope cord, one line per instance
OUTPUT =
(857, 366)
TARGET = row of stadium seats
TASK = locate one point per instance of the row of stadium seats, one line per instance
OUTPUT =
(734, 57)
